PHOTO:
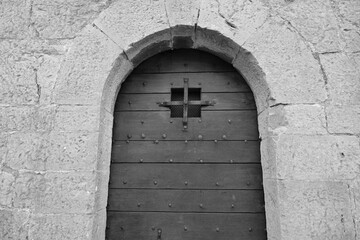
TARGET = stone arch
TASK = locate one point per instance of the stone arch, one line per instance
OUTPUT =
(127, 33)
(246, 66)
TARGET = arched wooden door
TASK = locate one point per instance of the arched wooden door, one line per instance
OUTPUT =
(185, 155)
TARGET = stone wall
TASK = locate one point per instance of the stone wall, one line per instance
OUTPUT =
(62, 64)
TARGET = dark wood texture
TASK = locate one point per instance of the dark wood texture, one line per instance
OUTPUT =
(162, 83)
(187, 60)
(186, 226)
(214, 125)
(197, 176)
(223, 101)
(145, 200)
(203, 182)
(192, 151)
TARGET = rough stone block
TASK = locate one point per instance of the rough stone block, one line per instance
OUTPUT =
(98, 230)
(27, 151)
(216, 43)
(14, 225)
(297, 119)
(183, 16)
(251, 70)
(26, 187)
(26, 118)
(77, 118)
(6, 195)
(61, 227)
(14, 18)
(64, 18)
(354, 188)
(18, 75)
(315, 21)
(11, 94)
(327, 158)
(292, 73)
(136, 25)
(104, 153)
(121, 69)
(55, 151)
(3, 147)
(66, 192)
(356, 57)
(350, 10)
(315, 210)
(102, 187)
(44, 119)
(272, 210)
(71, 151)
(343, 119)
(351, 37)
(182, 12)
(237, 20)
(16, 119)
(268, 149)
(27, 70)
(86, 68)
(105, 142)
(46, 76)
(343, 78)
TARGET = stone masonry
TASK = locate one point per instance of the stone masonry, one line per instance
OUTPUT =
(62, 64)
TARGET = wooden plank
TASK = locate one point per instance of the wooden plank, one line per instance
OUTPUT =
(214, 125)
(179, 151)
(144, 200)
(125, 226)
(149, 102)
(186, 176)
(162, 83)
(183, 60)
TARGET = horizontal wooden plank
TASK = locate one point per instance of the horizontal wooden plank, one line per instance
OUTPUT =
(213, 125)
(186, 200)
(185, 226)
(192, 151)
(186, 176)
(183, 60)
(162, 83)
(223, 101)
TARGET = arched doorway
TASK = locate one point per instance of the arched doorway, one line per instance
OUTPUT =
(185, 155)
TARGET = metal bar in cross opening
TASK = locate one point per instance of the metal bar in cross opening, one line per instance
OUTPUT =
(186, 99)
(186, 103)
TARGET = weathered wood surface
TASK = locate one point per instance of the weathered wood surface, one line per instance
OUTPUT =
(162, 83)
(179, 151)
(186, 200)
(149, 102)
(213, 125)
(186, 176)
(186, 226)
(160, 174)
(187, 60)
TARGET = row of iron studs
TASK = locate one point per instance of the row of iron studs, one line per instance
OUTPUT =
(217, 229)
(164, 136)
(185, 183)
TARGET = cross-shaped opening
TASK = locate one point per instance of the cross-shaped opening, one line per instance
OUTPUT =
(186, 102)
(177, 111)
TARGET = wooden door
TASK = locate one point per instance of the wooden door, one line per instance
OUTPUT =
(177, 177)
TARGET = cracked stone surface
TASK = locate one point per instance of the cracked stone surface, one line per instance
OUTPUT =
(236, 19)
(62, 63)
(61, 19)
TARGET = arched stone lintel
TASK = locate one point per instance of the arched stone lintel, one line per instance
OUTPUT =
(207, 40)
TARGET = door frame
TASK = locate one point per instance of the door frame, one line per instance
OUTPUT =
(245, 66)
